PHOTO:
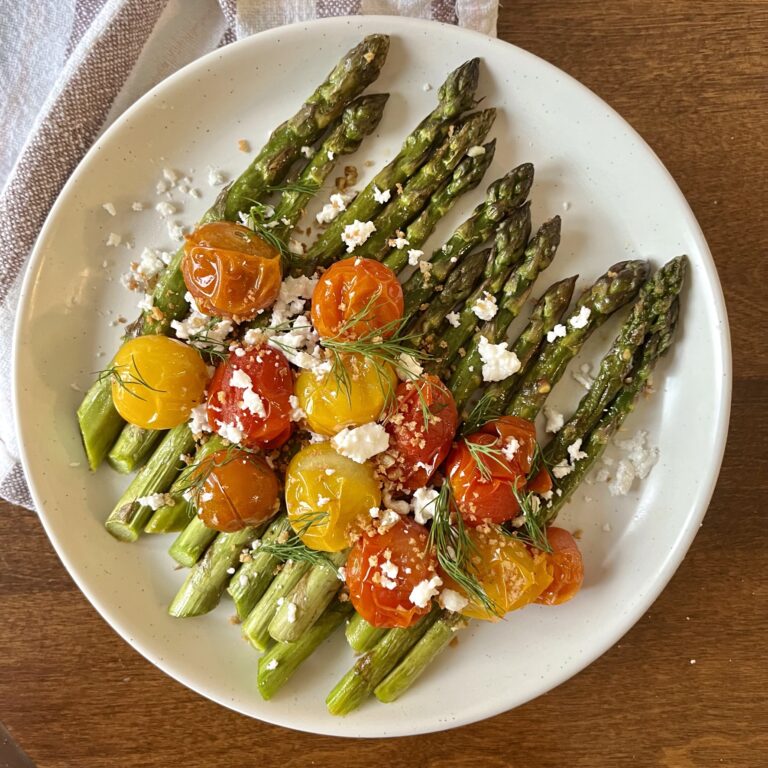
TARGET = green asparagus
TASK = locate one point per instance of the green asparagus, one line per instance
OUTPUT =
(190, 544)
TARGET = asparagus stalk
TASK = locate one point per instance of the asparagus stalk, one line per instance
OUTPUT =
(279, 663)
(372, 667)
(127, 519)
(616, 288)
(512, 297)
(420, 187)
(467, 175)
(547, 312)
(190, 544)
(250, 582)
(205, 583)
(405, 674)
(455, 96)
(99, 421)
(655, 298)
(501, 198)
(132, 448)
(359, 120)
(361, 635)
(310, 597)
(256, 626)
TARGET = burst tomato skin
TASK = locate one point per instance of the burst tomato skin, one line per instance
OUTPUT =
(565, 565)
(489, 494)
(384, 600)
(238, 490)
(511, 575)
(328, 496)
(357, 288)
(230, 271)
(334, 400)
(157, 381)
(263, 421)
(417, 448)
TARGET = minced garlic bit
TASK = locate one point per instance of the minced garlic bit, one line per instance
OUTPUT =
(580, 320)
(424, 591)
(498, 362)
(361, 443)
(476, 151)
(244, 145)
(557, 332)
(485, 307)
(555, 419)
(357, 233)
(453, 319)
(381, 196)
(423, 504)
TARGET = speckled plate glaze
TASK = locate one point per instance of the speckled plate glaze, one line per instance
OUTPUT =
(616, 199)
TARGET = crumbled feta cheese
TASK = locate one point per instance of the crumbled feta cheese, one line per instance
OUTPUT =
(561, 469)
(146, 302)
(381, 196)
(109, 208)
(582, 376)
(580, 320)
(423, 504)
(453, 319)
(198, 420)
(574, 451)
(424, 591)
(215, 178)
(307, 151)
(330, 472)
(414, 256)
(408, 368)
(137, 206)
(426, 87)
(161, 186)
(165, 209)
(388, 518)
(323, 500)
(156, 500)
(300, 345)
(150, 264)
(510, 448)
(498, 362)
(297, 414)
(623, 479)
(389, 569)
(476, 151)
(640, 455)
(290, 613)
(361, 443)
(606, 527)
(113, 240)
(357, 233)
(197, 329)
(555, 419)
(231, 432)
(271, 664)
(175, 230)
(485, 307)
(240, 379)
(399, 243)
(170, 176)
(374, 512)
(557, 332)
(338, 203)
(291, 301)
(243, 580)
(330, 155)
(450, 600)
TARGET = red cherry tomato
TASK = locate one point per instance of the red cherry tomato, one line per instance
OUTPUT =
(230, 270)
(357, 288)
(239, 489)
(485, 484)
(417, 446)
(249, 398)
(566, 566)
(382, 571)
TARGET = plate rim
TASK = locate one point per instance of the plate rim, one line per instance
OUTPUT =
(678, 549)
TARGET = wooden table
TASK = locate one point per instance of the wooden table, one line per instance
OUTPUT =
(691, 78)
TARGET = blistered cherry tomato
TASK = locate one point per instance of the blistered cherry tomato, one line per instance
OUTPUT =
(510, 574)
(239, 489)
(346, 398)
(383, 569)
(230, 270)
(356, 297)
(420, 431)
(485, 480)
(565, 565)
(328, 496)
(249, 398)
(156, 381)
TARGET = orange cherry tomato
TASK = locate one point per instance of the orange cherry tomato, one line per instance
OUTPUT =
(239, 489)
(249, 398)
(383, 569)
(566, 566)
(485, 484)
(418, 445)
(357, 288)
(230, 271)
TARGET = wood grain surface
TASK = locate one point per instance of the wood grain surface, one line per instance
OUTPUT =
(691, 78)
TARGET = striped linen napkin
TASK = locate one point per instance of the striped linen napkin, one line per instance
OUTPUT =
(71, 68)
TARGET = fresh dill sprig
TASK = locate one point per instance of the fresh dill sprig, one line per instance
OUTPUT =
(454, 548)
(303, 188)
(295, 549)
(485, 409)
(194, 476)
(255, 220)
(128, 378)
(482, 451)
(534, 528)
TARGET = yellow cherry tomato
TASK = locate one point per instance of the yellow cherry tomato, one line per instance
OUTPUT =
(328, 495)
(156, 381)
(510, 575)
(348, 398)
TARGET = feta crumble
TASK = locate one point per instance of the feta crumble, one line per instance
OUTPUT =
(290, 613)
(337, 203)
(155, 500)
(555, 419)
(424, 591)
(485, 307)
(558, 332)
(498, 362)
(297, 413)
(561, 469)
(510, 448)
(198, 420)
(165, 209)
(113, 240)
(453, 319)
(271, 664)
(408, 368)
(357, 233)
(215, 178)
(574, 451)
(381, 196)
(399, 243)
(150, 263)
(414, 256)
(137, 206)
(306, 151)
(423, 504)
(450, 600)
(476, 151)
(109, 208)
(581, 320)
(361, 443)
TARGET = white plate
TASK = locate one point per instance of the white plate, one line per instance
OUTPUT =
(617, 201)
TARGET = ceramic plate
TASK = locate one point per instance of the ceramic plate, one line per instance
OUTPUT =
(616, 200)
